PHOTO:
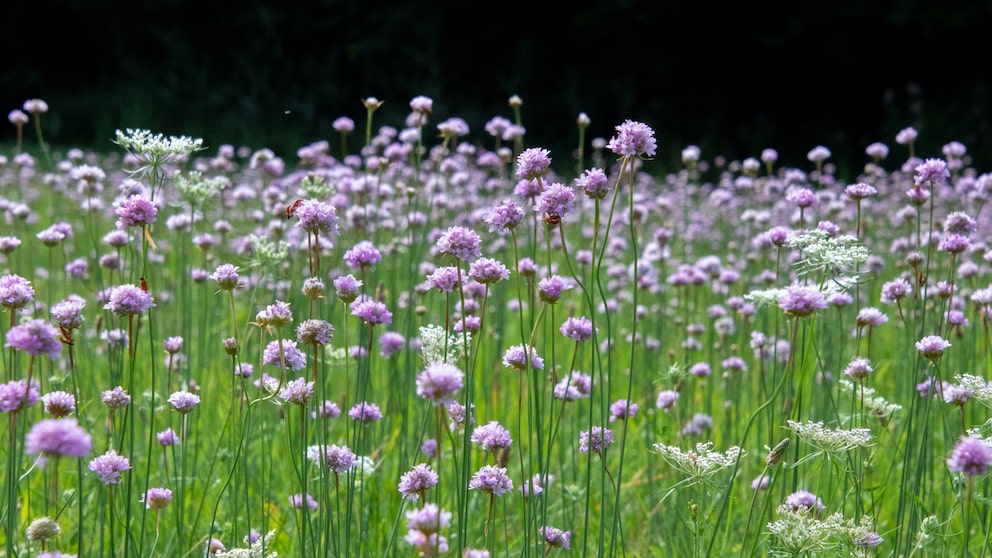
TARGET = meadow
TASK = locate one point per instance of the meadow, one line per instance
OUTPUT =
(429, 337)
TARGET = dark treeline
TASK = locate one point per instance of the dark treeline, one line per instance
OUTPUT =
(732, 78)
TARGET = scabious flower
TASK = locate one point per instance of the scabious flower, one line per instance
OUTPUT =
(116, 398)
(550, 288)
(461, 242)
(577, 328)
(516, 357)
(895, 290)
(804, 500)
(445, 278)
(362, 256)
(504, 217)
(491, 437)
(297, 392)
(136, 211)
(933, 171)
(487, 271)
(390, 343)
(167, 437)
(595, 440)
(594, 183)
(156, 498)
(557, 200)
(533, 163)
(801, 301)
(667, 399)
(439, 382)
(15, 292)
(621, 409)
(860, 191)
(932, 347)
(315, 216)
(365, 412)
(128, 300)
(314, 332)
(371, 312)
(491, 479)
(226, 276)
(555, 537)
(42, 529)
(297, 501)
(36, 337)
(429, 519)
(275, 315)
(183, 401)
(859, 368)
(291, 357)
(16, 395)
(109, 467)
(337, 459)
(870, 316)
(633, 139)
(971, 456)
(415, 482)
(59, 403)
(348, 288)
(58, 438)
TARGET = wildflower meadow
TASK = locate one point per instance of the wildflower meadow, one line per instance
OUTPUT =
(432, 337)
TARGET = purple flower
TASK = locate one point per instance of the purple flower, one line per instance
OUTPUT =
(183, 401)
(445, 279)
(633, 139)
(58, 438)
(805, 501)
(365, 412)
(801, 301)
(327, 410)
(297, 392)
(275, 315)
(128, 300)
(390, 343)
(428, 519)
(68, 314)
(314, 332)
(116, 398)
(347, 287)
(970, 456)
(429, 448)
(516, 357)
(343, 125)
(338, 459)
(577, 328)
(157, 498)
(15, 292)
(933, 171)
(932, 347)
(439, 382)
(36, 337)
(870, 316)
(363, 255)
(503, 217)
(416, 481)
(868, 539)
(697, 424)
(954, 243)
(895, 290)
(859, 368)
(173, 345)
(371, 312)
(595, 440)
(136, 211)
(109, 467)
(491, 436)
(556, 200)
(16, 395)
(167, 437)
(555, 537)
(487, 271)
(296, 501)
(550, 288)
(802, 197)
(226, 276)
(818, 154)
(317, 217)
(294, 358)
(621, 409)
(533, 162)
(59, 403)
(594, 183)
(860, 191)
(491, 479)
(461, 242)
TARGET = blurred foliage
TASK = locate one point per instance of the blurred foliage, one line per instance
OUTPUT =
(731, 78)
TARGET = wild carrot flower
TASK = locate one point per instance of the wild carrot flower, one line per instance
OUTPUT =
(699, 464)
(971, 456)
(109, 467)
(828, 440)
(415, 482)
(58, 438)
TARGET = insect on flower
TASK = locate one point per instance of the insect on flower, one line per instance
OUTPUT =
(143, 284)
(291, 209)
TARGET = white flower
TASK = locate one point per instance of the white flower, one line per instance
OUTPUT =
(872, 404)
(835, 255)
(437, 345)
(801, 533)
(829, 440)
(255, 549)
(980, 389)
(700, 464)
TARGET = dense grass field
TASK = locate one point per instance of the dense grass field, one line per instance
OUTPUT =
(430, 337)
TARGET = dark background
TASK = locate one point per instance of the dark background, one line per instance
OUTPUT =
(731, 77)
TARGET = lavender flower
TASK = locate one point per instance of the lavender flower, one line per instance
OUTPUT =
(226, 276)
(491, 479)
(362, 256)
(415, 482)
(491, 436)
(156, 498)
(294, 358)
(932, 347)
(15, 292)
(297, 392)
(533, 162)
(555, 537)
(109, 467)
(136, 211)
(58, 438)
(461, 242)
(183, 401)
(504, 217)
(971, 456)
(116, 398)
(595, 440)
(36, 337)
(371, 312)
(59, 403)
(365, 412)
(516, 357)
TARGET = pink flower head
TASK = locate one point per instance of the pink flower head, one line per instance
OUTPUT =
(971, 456)
(633, 139)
